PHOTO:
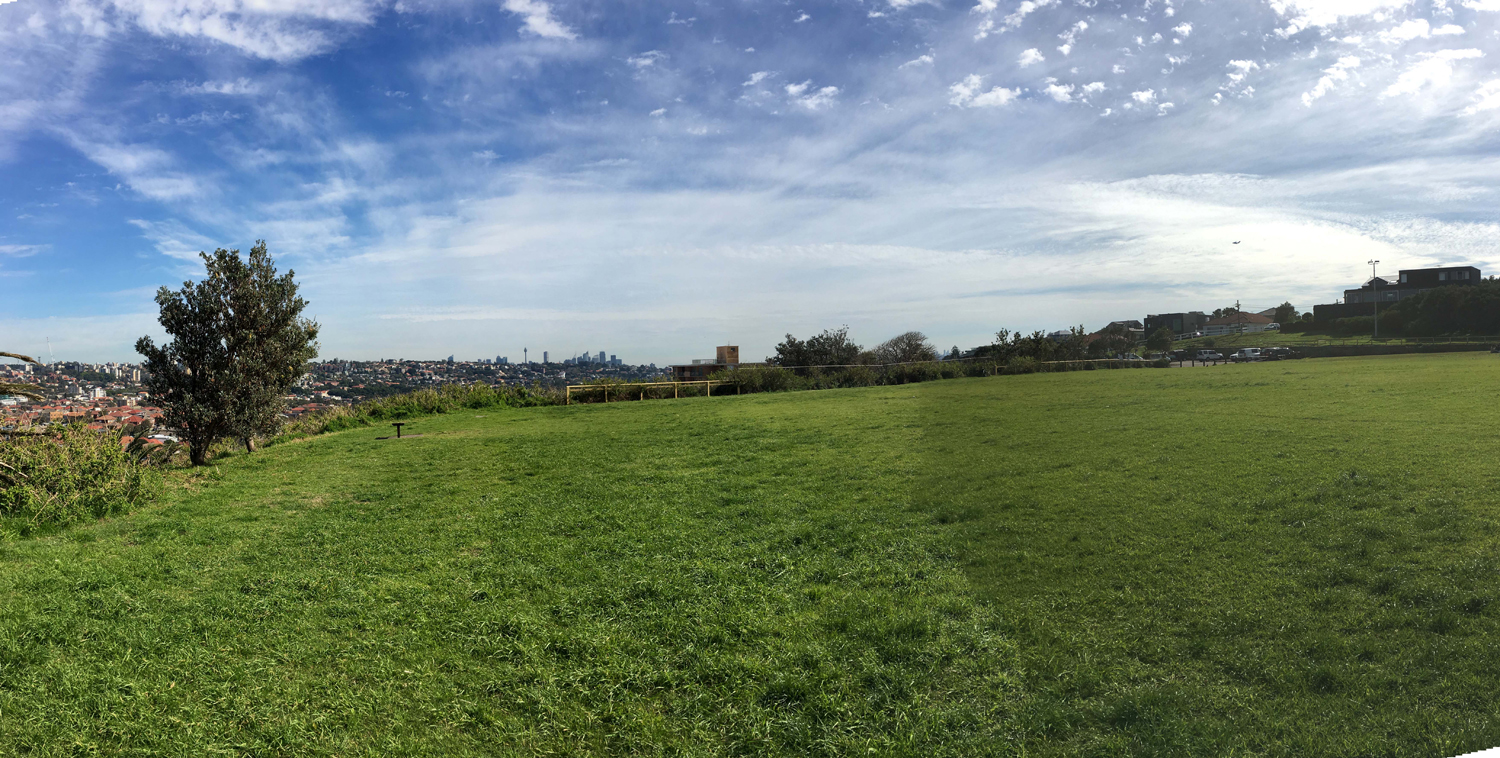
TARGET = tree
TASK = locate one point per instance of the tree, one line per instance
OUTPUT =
(955, 353)
(831, 348)
(1111, 340)
(1286, 313)
(1227, 310)
(909, 347)
(238, 343)
(1161, 339)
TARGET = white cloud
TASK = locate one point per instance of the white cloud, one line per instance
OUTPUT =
(1030, 56)
(1144, 97)
(1303, 14)
(1332, 75)
(1418, 28)
(646, 59)
(275, 30)
(801, 18)
(1483, 5)
(537, 19)
(803, 95)
(1093, 87)
(756, 78)
(658, 113)
(1183, 30)
(1062, 93)
(969, 94)
(1433, 69)
(1026, 8)
(240, 86)
(924, 60)
(1241, 69)
(1070, 35)
(1487, 98)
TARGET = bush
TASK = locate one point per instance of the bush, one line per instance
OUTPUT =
(75, 476)
(1354, 326)
(1021, 365)
(448, 398)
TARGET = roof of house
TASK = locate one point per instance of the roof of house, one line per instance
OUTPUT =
(1241, 318)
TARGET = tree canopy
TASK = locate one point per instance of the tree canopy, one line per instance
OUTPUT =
(1161, 339)
(831, 348)
(238, 343)
(1448, 310)
(910, 347)
(1286, 313)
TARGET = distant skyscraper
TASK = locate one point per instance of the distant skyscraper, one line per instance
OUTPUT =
(601, 356)
(544, 357)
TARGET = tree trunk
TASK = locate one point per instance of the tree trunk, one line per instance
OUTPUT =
(249, 444)
(198, 454)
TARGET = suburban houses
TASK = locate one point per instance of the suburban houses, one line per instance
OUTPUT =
(1365, 299)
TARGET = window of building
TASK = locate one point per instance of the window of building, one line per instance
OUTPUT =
(1403, 278)
(1460, 275)
(1442, 276)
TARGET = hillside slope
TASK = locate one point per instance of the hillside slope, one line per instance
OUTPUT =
(708, 576)
(1295, 558)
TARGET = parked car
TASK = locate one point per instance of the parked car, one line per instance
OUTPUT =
(1208, 355)
(1273, 325)
(1246, 354)
(1131, 357)
(1278, 354)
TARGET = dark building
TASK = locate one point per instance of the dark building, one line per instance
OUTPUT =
(1179, 323)
(725, 357)
(1381, 291)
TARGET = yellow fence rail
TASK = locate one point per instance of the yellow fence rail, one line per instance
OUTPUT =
(628, 389)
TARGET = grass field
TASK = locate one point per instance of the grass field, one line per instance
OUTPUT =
(1299, 339)
(1270, 559)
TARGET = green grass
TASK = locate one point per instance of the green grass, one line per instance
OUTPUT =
(1270, 559)
(1295, 339)
(708, 576)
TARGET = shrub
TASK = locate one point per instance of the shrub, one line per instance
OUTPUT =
(448, 398)
(74, 476)
(1021, 364)
(1354, 326)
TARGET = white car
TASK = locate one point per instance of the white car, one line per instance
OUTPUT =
(1246, 354)
(1208, 355)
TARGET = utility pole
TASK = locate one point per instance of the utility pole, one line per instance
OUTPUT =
(1239, 316)
(1375, 293)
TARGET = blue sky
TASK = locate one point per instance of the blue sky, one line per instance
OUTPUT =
(654, 179)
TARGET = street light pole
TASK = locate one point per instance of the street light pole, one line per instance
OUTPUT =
(1375, 292)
